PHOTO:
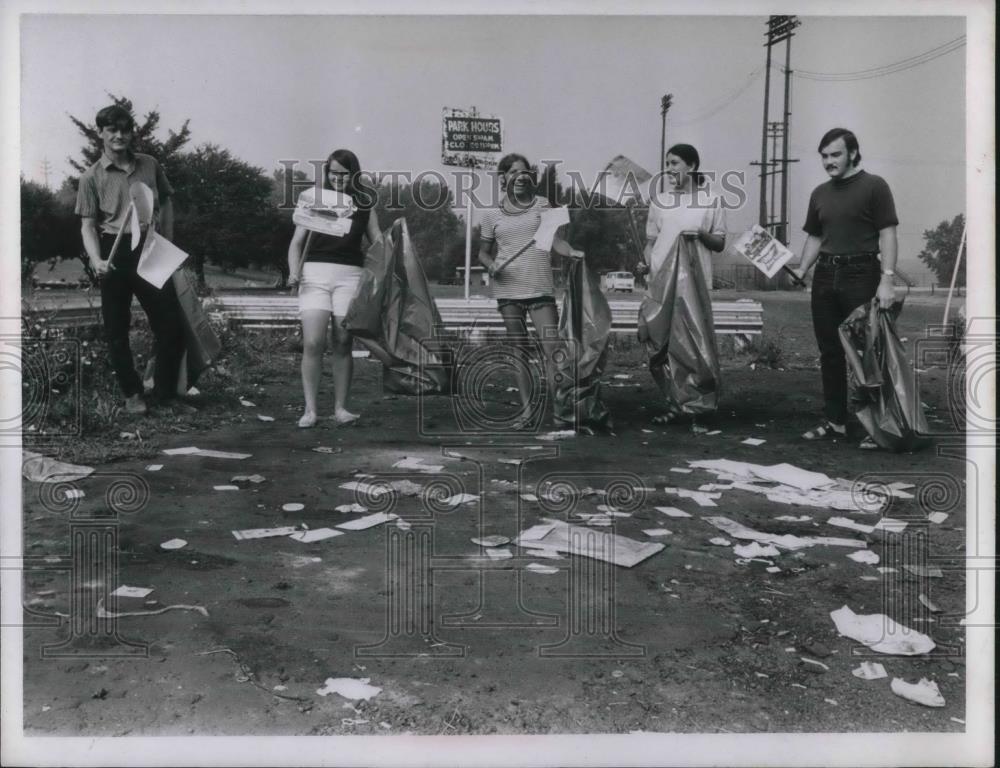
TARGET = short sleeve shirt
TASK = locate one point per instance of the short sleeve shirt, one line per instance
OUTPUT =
(848, 214)
(530, 275)
(103, 193)
(671, 213)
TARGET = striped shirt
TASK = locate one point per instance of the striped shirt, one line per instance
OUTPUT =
(530, 276)
(104, 190)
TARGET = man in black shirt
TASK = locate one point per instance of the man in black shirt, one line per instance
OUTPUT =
(851, 227)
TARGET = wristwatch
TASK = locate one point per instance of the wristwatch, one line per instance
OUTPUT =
(888, 272)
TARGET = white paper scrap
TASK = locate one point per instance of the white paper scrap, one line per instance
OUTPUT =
(529, 497)
(226, 487)
(791, 519)
(926, 602)
(317, 534)
(460, 498)
(657, 532)
(699, 497)
(870, 670)
(262, 417)
(551, 220)
(681, 470)
(126, 591)
(562, 434)
(720, 542)
(881, 633)
(349, 688)
(496, 540)
(417, 463)
(292, 506)
(924, 692)
(353, 507)
(499, 554)
(255, 479)
(366, 488)
(891, 525)
(753, 441)
(539, 568)
(673, 512)
(864, 556)
(754, 549)
(264, 533)
(937, 517)
(843, 522)
(154, 467)
(173, 544)
(206, 453)
(369, 521)
(536, 532)
(247, 403)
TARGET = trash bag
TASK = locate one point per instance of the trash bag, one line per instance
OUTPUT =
(585, 326)
(675, 323)
(393, 315)
(883, 383)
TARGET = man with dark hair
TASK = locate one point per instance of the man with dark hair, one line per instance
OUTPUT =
(851, 227)
(104, 203)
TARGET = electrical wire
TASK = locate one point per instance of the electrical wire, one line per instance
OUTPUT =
(886, 69)
(712, 110)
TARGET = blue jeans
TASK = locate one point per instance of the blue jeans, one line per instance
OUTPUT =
(836, 291)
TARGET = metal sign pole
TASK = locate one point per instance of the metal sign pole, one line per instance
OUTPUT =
(468, 245)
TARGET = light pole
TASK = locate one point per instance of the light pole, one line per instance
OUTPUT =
(664, 108)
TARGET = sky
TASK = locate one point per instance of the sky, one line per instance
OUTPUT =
(580, 89)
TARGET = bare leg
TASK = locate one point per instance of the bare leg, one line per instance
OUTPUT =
(343, 370)
(545, 318)
(314, 324)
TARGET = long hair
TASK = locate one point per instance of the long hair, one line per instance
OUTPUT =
(505, 164)
(690, 156)
(350, 161)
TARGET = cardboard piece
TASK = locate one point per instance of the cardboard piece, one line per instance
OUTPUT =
(864, 556)
(763, 250)
(205, 453)
(159, 260)
(754, 441)
(264, 533)
(870, 670)
(609, 547)
(126, 591)
(551, 220)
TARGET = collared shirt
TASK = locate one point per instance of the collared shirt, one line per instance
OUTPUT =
(103, 193)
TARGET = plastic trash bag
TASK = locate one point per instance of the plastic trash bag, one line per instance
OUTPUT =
(675, 323)
(585, 326)
(393, 315)
(884, 384)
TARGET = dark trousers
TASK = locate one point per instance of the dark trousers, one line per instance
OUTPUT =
(836, 291)
(118, 286)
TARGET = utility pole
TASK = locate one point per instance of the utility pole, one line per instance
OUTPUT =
(46, 169)
(665, 103)
(779, 29)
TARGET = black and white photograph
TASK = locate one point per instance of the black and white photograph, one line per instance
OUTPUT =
(488, 384)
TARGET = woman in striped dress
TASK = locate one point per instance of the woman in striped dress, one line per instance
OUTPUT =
(524, 287)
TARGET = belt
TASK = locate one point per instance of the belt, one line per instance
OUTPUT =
(843, 259)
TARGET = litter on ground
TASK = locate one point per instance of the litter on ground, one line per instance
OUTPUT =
(460, 498)
(720, 542)
(225, 487)
(681, 470)
(924, 692)
(790, 519)
(539, 568)
(700, 498)
(417, 463)
(754, 549)
(264, 533)
(891, 525)
(292, 506)
(815, 663)
(864, 556)
(103, 613)
(880, 633)
(870, 670)
(255, 479)
(154, 467)
(369, 521)
(754, 441)
(926, 602)
(496, 540)
(316, 534)
(562, 434)
(173, 544)
(657, 532)
(843, 522)
(499, 554)
(926, 571)
(353, 507)
(528, 497)
(937, 517)
(126, 591)
(673, 512)
(349, 688)
(326, 449)
(41, 469)
(207, 453)
(598, 545)
(262, 417)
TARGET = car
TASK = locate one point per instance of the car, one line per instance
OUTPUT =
(619, 281)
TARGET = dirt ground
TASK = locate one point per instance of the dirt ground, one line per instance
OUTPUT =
(689, 640)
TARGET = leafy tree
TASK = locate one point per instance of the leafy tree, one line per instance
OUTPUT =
(941, 246)
(49, 230)
(433, 225)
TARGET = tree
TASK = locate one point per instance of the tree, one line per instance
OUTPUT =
(941, 246)
(49, 230)
(433, 225)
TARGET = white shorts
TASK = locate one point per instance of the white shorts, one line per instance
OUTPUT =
(328, 287)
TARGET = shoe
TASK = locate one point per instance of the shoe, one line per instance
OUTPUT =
(135, 405)
(307, 420)
(826, 431)
(868, 444)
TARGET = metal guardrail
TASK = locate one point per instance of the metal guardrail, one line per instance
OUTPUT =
(744, 317)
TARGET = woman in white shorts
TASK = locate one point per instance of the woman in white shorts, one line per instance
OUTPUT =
(327, 276)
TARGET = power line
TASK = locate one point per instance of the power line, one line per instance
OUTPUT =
(711, 111)
(886, 69)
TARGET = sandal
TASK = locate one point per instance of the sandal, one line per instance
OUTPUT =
(825, 431)
(868, 444)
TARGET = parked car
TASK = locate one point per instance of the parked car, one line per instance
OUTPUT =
(619, 281)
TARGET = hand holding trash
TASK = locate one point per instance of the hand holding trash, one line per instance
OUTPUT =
(886, 293)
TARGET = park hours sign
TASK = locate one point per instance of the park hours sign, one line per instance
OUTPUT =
(468, 139)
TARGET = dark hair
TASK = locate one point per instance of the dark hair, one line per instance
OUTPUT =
(116, 116)
(850, 141)
(507, 161)
(350, 161)
(690, 156)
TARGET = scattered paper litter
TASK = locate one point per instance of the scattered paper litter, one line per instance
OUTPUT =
(417, 463)
(402, 525)
(154, 467)
(720, 542)
(499, 554)
(786, 541)
(891, 525)
(791, 519)
(657, 532)
(495, 540)
(264, 533)
(369, 521)
(788, 474)
(881, 633)
(713, 432)
(41, 469)
(536, 532)
(126, 591)
(843, 522)
(225, 487)
(326, 449)
(937, 517)
(366, 489)
(292, 506)
(816, 663)
(529, 497)
(900, 486)
(349, 688)
(548, 554)
(353, 507)
(681, 470)
(207, 453)
(673, 512)
(539, 568)
(599, 545)
(622, 376)
(754, 549)
(247, 403)
(773, 569)
(927, 571)
(958, 720)
(173, 544)
(562, 434)
(864, 556)
(460, 498)
(753, 441)
(262, 417)
(924, 692)
(926, 602)
(515, 462)
(870, 670)
(406, 487)
(883, 569)
(317, 534)
(255, 479)
(75, 493)
(699, 497)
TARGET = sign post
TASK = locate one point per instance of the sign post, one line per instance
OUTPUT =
(470, 140)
